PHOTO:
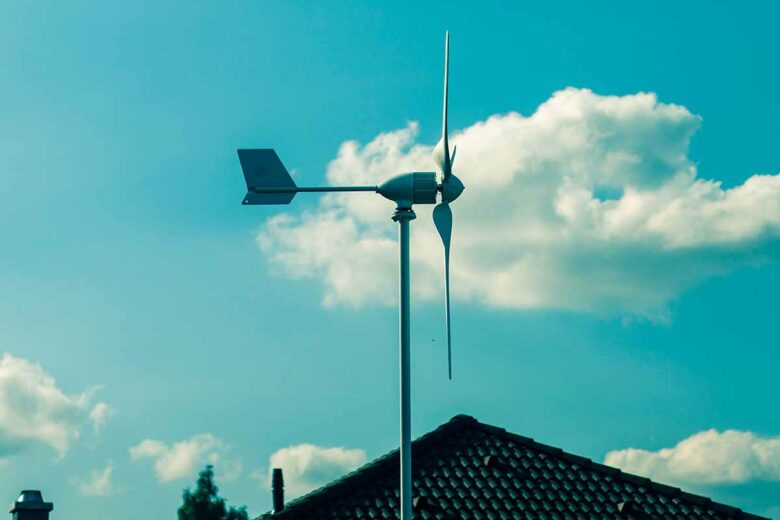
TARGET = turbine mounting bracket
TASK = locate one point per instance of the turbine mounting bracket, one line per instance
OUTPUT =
(402, 213)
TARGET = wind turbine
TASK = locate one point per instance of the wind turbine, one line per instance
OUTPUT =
(268, 182)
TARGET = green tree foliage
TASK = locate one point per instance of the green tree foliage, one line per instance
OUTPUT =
(205, 504)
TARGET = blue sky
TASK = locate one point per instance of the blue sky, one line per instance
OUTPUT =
(131, 274)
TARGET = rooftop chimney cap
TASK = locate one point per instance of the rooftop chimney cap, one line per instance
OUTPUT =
(31, 500)
(278, 478)
(30, 495)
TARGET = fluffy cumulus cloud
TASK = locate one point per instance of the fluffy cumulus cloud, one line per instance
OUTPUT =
(708, 457)
(97, 484)
(307, 466)
(34, 410)
(589, 204)
(100, 414)
(184, 459)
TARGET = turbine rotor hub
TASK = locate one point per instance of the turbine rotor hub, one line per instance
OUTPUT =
(451, 189)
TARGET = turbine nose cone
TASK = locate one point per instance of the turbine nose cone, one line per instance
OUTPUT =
(451, 189)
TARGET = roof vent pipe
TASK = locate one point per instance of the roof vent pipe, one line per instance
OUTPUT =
(277, 490)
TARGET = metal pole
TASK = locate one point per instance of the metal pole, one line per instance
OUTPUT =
(403, 216)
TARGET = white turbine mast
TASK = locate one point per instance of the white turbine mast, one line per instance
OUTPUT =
(268, 182)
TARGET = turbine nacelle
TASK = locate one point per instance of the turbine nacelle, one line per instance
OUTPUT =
(419, 188)
(410, 188)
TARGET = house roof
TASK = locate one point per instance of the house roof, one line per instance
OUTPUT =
(465, 469)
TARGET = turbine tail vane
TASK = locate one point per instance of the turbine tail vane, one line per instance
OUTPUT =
(267, 180)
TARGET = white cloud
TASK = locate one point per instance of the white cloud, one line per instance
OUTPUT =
(307, 467)
(707, 457)
(33, 410)
(100, 414)
(97, 484)
(184, 459)
(533, 228)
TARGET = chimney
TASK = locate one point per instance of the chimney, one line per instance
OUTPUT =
(277, 490)
(30, 506)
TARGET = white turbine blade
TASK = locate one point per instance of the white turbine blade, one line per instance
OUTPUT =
(441, 154)
(442, 219)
